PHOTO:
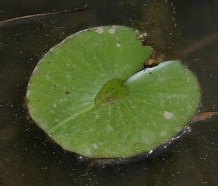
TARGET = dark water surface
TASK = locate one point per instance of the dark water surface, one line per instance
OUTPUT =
(176, 28)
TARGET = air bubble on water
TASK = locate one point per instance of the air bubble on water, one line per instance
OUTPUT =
(176, 137)
(188, 128)
(183, 131)
(81, 158)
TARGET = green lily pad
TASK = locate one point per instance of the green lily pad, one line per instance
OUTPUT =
(89, 96)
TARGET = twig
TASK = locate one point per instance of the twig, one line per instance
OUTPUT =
(42, 15)
(200, 44)
(203, 116)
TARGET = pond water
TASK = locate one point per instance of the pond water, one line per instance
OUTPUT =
(186, 29)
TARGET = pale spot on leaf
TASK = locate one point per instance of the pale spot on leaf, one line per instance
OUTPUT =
(100, 30)
(163, 133)
(118, 45)
(168, 115)
(110, 128)
(111, 30)
(95, 146)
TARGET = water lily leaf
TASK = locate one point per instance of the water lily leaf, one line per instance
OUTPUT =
(89, 96)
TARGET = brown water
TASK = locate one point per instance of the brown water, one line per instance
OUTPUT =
(27, 157)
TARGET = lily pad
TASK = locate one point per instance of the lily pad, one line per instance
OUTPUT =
(89, 96)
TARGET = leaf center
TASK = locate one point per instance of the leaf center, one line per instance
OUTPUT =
(111, 92)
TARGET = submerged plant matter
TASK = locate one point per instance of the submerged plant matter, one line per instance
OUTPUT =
(89, 96)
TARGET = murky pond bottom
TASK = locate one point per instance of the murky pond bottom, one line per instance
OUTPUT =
(177, 29)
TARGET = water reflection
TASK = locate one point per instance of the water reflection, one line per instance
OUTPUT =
(27, 157)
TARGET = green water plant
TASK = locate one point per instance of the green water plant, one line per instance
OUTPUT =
(92, 97)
